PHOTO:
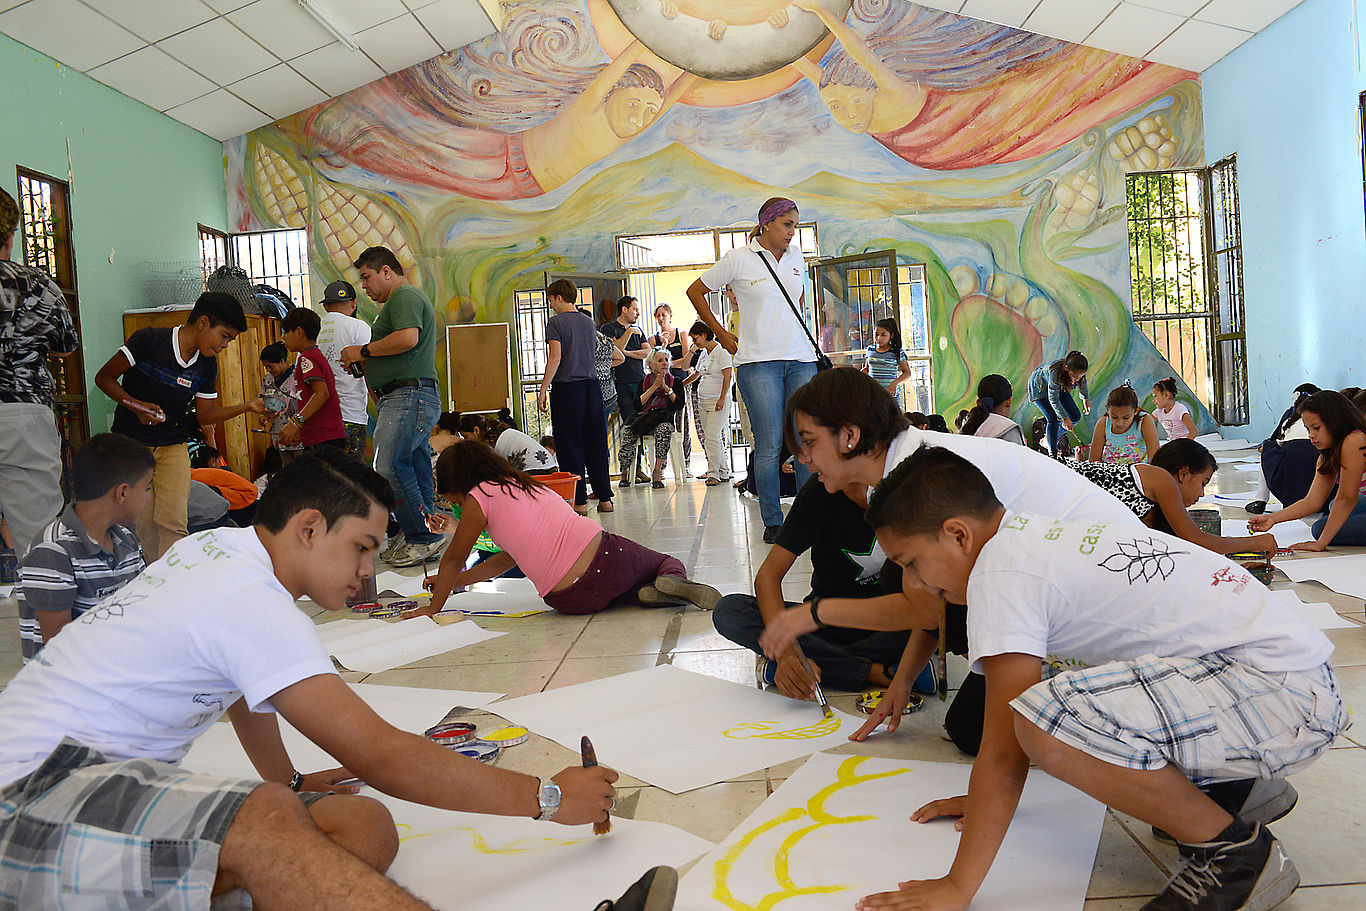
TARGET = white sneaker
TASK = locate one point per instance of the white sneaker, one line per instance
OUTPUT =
(417, 554)
(391, 547)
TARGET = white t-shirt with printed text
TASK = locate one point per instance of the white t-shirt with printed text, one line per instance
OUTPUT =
(713, 366)
(341, 331)
(524, 452)
(1024, 480)
(1088, 593)
(150, 668)
(769, 330)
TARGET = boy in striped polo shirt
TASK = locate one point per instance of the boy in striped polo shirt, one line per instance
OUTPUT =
(90, 550)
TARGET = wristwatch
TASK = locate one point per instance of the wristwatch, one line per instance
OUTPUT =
(365, 350)
(296, 781)
(548, 795)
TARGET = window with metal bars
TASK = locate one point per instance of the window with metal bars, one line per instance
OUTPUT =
(1185, 259)
(532, 314)
(45, 242)
(213, 250)
(275, 258)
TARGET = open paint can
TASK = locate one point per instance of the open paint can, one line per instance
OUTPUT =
(479, 749)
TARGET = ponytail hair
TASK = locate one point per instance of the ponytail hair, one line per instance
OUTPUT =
(962, 418)
(894, 331)
(1059, 369)
(1122, 397)
(992, 390)
(1167, 385)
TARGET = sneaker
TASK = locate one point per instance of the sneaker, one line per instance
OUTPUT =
(765, 672)
(704, 596)
(418, 554)
(771, 533)
(1267, 800)
(392, 547)
(1256, 507)
(927, 684)
(1252, 874)
(654, 891)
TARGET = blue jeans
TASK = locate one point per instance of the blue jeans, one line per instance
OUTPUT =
(403, 424)
(766, 386)
(1055, 420)
(843, 655)
(1353, 531)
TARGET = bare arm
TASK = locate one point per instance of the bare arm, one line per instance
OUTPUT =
(1313, 502)
(1149, 430)
(552, 365)
(472, 523)
(50, 622)
(107, 381)
(208, 411)
(396, 342)
(697, 294)
(1097, 451)
(1190, 424)
(1349, 491)
(316, 401)
(1160, 487)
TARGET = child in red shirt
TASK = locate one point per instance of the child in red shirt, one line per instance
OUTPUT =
(319, 421)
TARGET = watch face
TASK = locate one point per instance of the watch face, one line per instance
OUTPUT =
(550, 794)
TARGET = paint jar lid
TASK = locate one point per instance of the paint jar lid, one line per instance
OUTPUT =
(479, 749)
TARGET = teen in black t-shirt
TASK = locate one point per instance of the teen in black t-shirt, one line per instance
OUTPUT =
(164, 382)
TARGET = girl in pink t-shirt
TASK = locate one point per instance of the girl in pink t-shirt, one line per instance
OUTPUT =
(576, 566)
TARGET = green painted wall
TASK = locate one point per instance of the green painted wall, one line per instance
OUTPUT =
(141, 183)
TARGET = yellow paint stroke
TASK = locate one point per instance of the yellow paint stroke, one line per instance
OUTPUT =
(481, 845)
(846, 776)
(766, 730)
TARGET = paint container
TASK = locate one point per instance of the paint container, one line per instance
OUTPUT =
(402, 606)
(868, 701)
(479, 749)
(365, 607)
(385, 613)
(1208, 520)
(507, 737)
(451, 735)
(1262, 571)
(368, 594)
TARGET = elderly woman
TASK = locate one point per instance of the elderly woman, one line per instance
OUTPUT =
(675, 341)
(774, 354)
(659, 398)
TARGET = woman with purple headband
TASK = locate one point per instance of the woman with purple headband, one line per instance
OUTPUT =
(773, 356)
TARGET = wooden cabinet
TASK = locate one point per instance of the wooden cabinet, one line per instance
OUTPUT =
(242, 440)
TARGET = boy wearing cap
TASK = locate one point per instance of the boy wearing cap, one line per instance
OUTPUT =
(319, 420)
(340, 329)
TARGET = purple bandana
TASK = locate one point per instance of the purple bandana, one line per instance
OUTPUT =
(774, 209)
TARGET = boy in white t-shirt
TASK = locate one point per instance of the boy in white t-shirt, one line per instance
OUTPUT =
(1178, 673)
(91, 795)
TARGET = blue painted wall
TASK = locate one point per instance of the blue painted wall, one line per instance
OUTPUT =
(1286, 103)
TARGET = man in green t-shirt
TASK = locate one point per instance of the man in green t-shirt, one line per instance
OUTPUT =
(400, 369)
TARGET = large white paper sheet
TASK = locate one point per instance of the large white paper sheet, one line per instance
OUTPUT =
(1228, 445)
(374, 645)
(1242, 499)
(497, 598)
(678, 730)
(399, 584)
(1285, 533)
(1321, 614)
(1344, 575)
(467, 862)
(839, 829)
(412, 709)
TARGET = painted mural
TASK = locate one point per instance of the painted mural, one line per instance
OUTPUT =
(994, 156)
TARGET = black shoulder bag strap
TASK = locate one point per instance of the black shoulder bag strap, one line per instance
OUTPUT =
(822, 362)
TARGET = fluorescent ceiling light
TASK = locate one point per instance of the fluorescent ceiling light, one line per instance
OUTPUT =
(325, 19)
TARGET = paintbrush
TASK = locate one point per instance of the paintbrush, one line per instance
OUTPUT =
(826, 712)
(590, 760)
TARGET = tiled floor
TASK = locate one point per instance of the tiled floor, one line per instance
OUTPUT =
(717, 535)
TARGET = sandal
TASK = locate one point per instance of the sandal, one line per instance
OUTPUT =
(581, 510)
(657, 485)
(606, 506)
(713, 482)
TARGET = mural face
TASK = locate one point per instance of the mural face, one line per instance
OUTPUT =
(994, 156)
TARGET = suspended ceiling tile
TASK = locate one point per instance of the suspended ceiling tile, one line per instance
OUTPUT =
(1133, 31)
(1005, 12)
(227, 6)
(1198, 45)
(279, 91)
(153, 20)
(336, 69)
(219, 50)
(282, 26)
(1070, 20)
(357, 15)
(952, 6)
(68, 31)
(154, 78)
(10, 4)
(220, 115)
(456, 23)
(1179, 7)
(1252, 15)
(398, 44)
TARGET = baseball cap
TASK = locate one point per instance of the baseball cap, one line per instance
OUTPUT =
(339, 291)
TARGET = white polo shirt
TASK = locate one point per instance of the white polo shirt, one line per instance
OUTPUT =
(341, 331)
(769, 331)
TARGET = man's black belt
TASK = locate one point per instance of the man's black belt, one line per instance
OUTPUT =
(396, 385)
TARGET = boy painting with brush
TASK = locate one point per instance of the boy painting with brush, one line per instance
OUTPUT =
(1182, 684)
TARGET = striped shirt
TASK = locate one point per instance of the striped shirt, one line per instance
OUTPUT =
(884, 366)
(67, 571)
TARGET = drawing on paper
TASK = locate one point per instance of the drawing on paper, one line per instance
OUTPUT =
(847, 776)
(769, 730)
(481, 845)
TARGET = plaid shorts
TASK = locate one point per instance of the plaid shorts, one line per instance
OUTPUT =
(82, 832)
(1215, 718)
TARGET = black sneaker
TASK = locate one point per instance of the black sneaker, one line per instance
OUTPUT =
(1252, 874)
(1262, 800)
(771, 533)
(652, 892)
(1256, 507)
